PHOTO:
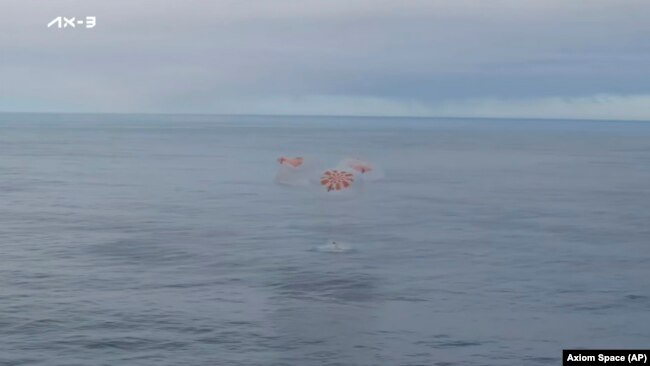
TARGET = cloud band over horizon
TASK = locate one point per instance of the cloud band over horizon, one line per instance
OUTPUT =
(506, 58)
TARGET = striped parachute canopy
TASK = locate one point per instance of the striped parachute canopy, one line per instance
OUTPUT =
(336, 180)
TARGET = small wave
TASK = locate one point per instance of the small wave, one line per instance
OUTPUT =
(334, 247)
(442, 341)
(635, 297)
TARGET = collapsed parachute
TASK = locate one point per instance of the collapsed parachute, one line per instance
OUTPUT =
(295, 162)
(367, 170)
(294, 171)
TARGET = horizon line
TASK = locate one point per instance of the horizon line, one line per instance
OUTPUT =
(328, 116)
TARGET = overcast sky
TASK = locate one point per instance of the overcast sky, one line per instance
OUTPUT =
(488, 58)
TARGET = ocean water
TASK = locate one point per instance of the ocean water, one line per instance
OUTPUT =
(162, 240)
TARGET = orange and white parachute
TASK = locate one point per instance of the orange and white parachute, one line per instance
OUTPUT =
(336, 180)
(337, 184)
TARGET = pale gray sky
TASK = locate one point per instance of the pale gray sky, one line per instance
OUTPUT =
(499, 58)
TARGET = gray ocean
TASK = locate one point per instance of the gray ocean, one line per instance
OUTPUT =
(162, 240)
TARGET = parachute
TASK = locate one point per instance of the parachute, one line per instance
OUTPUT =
(294, 171)
(294, 162)
(367, 170)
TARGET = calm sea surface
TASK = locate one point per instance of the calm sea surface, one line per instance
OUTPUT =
(162, 240)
